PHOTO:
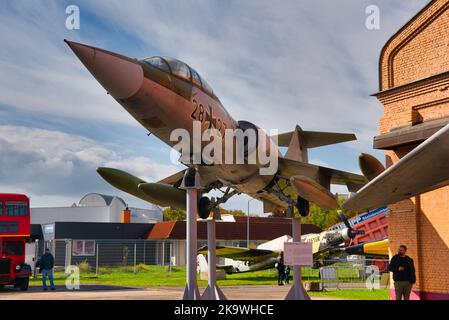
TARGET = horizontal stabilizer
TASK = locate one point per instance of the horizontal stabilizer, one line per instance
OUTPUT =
(313, 139)
(289, 168)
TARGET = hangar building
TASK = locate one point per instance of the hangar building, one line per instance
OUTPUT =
(414, 91)
(95, 207)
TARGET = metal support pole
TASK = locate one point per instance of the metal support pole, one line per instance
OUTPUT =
(297, 291)
(163, 252)
(135, 256)
(68, 253)
(96, 259)
(212, 292)
(170, 257)
(36, 257)
(144, 252)
(247, 226)
(191, 291)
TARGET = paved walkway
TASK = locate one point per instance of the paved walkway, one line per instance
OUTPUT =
(103, 292)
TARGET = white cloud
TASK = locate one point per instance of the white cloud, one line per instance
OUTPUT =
(311, 63)
(56, 164)
(39, 71)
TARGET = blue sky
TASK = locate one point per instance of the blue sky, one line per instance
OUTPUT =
(312, 63)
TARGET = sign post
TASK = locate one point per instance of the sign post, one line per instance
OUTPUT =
(297, 254)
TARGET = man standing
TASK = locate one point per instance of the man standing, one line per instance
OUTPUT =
(281, 268)
(403, 273)
(47, 263)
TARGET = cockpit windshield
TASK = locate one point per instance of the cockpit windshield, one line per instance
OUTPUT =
(158, 62)
(178, 68)
(207, 87)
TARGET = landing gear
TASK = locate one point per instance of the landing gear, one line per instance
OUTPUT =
(204, 207)
(303, 206)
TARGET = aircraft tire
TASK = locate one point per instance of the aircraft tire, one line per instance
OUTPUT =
(303, 206)
(204, 207)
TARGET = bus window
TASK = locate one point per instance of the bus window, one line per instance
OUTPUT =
(1, 208)
(15, 248)
(16, 209)
(159, 63)
(196, 78)
(178, 68)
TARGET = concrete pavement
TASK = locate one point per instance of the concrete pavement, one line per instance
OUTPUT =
(104, 292)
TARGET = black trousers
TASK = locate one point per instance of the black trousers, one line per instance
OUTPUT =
(280, 277)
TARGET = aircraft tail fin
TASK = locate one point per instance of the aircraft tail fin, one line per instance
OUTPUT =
(298, 141)
(313, 139)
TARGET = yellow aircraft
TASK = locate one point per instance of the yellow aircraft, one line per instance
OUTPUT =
(328, 247)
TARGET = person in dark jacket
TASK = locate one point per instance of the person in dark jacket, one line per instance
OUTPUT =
(281, 268)
(403, 273)
(46, 264)
(287, 274)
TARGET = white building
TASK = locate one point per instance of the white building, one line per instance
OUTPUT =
(95, 207)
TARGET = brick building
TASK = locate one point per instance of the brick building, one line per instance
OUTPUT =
(414, 90)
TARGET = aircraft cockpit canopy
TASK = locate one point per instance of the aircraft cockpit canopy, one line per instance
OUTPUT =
(180, 69)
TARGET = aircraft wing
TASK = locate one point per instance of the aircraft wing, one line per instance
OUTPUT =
(423, 169)
(208, 176)
(241, 254)
(174, 179)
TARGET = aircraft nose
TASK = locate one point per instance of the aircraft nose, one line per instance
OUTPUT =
(121, 76)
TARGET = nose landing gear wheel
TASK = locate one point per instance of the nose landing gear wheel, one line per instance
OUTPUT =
(204, 207)
(303, 206)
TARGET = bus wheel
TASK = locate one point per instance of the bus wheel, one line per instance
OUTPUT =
(23, 285)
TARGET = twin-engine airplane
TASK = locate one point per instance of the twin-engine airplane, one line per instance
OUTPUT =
(328, 247)
(164, 94)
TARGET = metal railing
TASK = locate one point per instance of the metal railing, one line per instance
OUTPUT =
(103, 256)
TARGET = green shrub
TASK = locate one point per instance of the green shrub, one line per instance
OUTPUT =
(84, 266)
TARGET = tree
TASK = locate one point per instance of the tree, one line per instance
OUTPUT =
(325, 218)
(239, 213)
(172, 214)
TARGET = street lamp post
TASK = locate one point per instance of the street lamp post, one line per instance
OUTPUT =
(247, 224)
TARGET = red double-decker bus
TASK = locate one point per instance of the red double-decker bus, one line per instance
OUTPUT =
(14, 233)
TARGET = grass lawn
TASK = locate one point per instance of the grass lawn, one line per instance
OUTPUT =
(147, 276)
(354, 294)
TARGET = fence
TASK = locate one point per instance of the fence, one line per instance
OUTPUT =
(349, 274)
(99, 256)
(95, 255)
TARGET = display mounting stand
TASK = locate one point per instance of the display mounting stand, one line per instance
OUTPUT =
(212, 292)
(297, 291)
(192, 183)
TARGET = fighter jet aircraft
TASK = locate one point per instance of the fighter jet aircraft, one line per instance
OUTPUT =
(328, 247)
(164, 94)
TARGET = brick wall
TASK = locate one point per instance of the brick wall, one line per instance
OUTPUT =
(414, 80)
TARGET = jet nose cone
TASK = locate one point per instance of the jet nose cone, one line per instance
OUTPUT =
(121, 76)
